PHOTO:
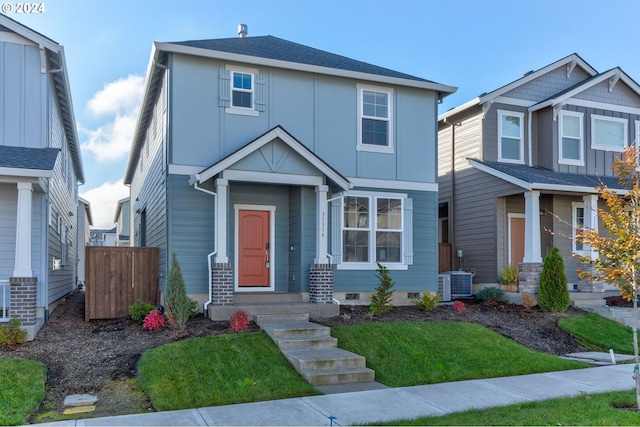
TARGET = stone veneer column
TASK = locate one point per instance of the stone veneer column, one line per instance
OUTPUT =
(529, 277)
(320, 284)
(23, 299)
(222, 284)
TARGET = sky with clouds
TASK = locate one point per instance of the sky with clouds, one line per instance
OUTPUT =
(474, 45)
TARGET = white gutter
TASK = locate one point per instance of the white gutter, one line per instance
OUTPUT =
(205, 306)
(529, 138)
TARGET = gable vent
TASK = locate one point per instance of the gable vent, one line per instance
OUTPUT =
(242, 30)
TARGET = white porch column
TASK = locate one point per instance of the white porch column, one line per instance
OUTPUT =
(590, 220)
(532, 246)
(23, 232)
(321, 224)
(222, 186)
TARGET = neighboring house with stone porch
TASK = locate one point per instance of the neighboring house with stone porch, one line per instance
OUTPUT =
(279, 172)
(518, 167)
(40, 169)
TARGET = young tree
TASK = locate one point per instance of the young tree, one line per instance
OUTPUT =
(554, 293)
(381, 298)
(618, 254)
(177, 303)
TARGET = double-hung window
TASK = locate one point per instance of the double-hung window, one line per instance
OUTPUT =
(510, 137)
(375, 124)
(373, 228)
(241, 90)
(608, 133)
(571, 138)
(577, 224)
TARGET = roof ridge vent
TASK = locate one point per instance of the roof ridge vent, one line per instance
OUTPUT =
(243, 30)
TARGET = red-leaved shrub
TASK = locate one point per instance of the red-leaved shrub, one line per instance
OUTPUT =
(459, 306)
(154, 320)
(239, 321)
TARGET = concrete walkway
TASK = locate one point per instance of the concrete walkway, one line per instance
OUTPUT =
(387, 404)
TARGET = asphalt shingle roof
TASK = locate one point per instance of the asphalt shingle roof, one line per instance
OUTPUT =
(271, 47)
(28, 158)
(539, 175)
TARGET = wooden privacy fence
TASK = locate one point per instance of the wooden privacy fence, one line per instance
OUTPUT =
(117, 277)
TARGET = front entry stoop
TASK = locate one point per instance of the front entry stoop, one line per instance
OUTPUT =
(313, 352)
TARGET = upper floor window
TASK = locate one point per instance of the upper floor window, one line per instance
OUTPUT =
(511, 137)
(375, 125)
(571, 140)
(608, 133)
(242, 90)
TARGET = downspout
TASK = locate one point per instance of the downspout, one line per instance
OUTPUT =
(205, 307)
(451, 212)
(529, 137)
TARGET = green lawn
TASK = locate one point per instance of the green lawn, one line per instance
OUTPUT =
(583, 410)
(21, 389)
(599, 334)
(408, 353)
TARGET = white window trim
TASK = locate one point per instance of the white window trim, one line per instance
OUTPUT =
(625, 122)
(562, 160)
(515, 114)
(373, 265)
(242, 110)
(637, 140)
(574, 207)
(375, 148)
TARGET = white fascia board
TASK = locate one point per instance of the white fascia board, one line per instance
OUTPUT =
(503, 176)
(458, 109)
(273, 178)
(513, 101)
(8, 173)
(603, 106)
(29, 34)
(248, 59)
(176, 169)
(393, 185)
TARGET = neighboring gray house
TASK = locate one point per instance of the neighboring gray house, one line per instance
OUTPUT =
(272, 169)
(102, 237)
(40, 169)
(85, 221)
(122, 220)
(518, 167)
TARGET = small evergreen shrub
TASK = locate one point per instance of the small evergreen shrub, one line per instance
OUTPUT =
(139, 310)
(490, 294)
(239, 321)
(179, 306)
(11, 334)
(381, 299)
(553, 294)
(428, 301)
(459, 306)
(154, 320)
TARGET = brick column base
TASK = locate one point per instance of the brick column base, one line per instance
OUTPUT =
(529, 277)
(320, 284)
(222, 284)
(23, 299)
(588, 285)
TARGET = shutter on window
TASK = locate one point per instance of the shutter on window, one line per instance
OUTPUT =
(336, 230)
(224, 88)
(408, 231)
(260, 100)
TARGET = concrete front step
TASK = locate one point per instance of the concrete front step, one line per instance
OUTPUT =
(314, 311)
(266, 297)
(296, 330)
(339, 376)
(325, 359)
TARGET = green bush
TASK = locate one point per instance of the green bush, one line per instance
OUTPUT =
(490, 294)
(428, 301)
(381, 299)
(553, 294)
(139, 310)
(11, 334)
(179, 306)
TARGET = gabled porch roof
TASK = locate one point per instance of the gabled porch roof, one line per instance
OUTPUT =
(28, 162)
(280, 133)
(538, 178)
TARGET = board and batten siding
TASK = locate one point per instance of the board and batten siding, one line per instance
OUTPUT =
(8, 212)
(422, 275)
(23, 90)
(302, 103)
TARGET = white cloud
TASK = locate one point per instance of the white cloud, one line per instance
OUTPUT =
(103, 200)
(120, 102)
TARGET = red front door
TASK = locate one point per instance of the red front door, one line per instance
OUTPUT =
(253, 248)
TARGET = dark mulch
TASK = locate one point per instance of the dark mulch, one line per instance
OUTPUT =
(84, 357)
